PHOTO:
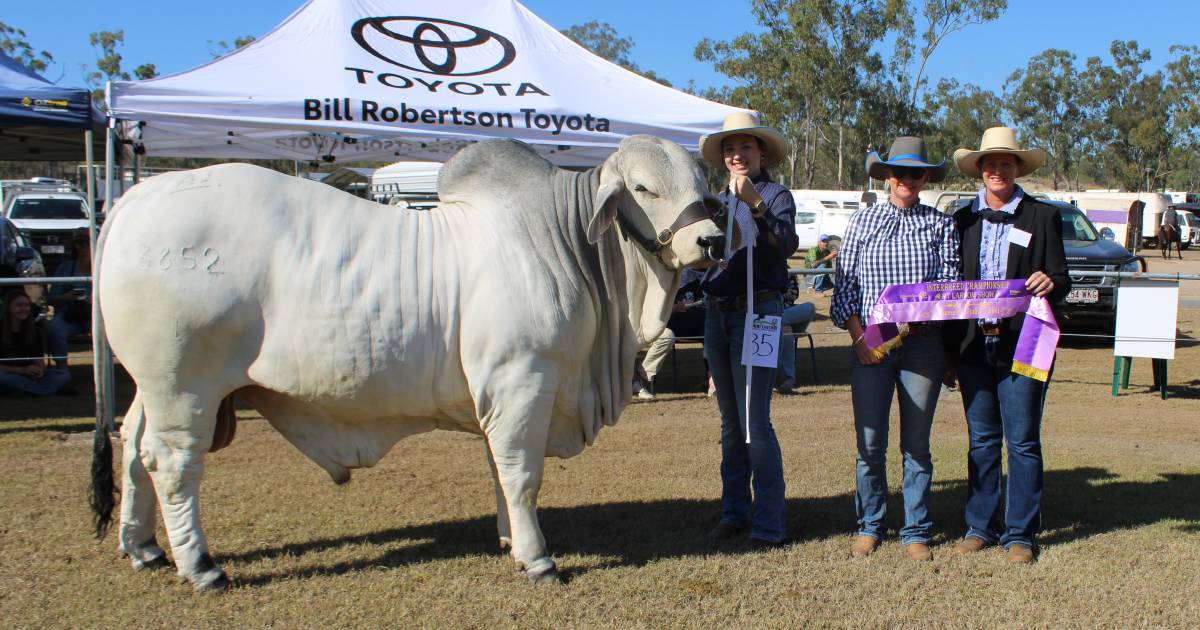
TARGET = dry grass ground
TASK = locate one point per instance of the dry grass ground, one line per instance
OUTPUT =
(411, 542)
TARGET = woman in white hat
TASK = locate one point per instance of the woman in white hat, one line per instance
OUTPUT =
(897, 241)
(752, 491)
(1005, 235)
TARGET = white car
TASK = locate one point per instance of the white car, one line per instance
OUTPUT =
(49, 220)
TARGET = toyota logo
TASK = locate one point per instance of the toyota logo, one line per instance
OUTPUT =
(433, 45)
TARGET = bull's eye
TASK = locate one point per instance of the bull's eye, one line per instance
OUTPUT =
(642, 189)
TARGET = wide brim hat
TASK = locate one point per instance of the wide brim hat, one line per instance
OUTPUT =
(905, 151)
(776, 146)
(999, 140)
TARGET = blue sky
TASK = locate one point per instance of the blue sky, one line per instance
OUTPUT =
(174, 34)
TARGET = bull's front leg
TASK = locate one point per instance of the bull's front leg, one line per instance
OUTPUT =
(503, 528)
(516, 436)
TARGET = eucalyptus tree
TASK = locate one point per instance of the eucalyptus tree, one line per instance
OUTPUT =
(1042, 99)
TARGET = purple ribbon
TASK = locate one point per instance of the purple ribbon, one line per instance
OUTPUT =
(968, 299)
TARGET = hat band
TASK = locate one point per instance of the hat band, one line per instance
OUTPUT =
(907, 156)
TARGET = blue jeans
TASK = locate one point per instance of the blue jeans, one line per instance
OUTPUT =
(53, 380)
(1002, 407)
(57, 334)
(759, 464)
(822, 282)
(915, 371)
(797, 316)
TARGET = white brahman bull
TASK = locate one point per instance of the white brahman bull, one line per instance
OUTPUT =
(512, 310)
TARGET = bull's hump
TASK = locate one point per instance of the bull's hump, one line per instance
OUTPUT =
(492, 165)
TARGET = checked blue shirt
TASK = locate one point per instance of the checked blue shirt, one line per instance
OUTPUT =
(885, 245)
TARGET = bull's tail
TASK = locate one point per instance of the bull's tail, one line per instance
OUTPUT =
(103, 491)
(102, 495)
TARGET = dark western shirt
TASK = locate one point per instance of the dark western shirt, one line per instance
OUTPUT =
(770, 262)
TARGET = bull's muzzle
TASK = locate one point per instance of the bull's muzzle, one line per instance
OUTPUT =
(713, 246)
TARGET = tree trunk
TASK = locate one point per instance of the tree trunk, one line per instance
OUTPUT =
(841, 139)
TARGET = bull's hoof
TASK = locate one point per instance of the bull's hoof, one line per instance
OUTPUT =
(543, 572)
(505, 543)
(211, 582)
(157, 562)
(544, 578)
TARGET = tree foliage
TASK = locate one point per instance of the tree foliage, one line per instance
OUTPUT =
(604, 41)
(14, 44)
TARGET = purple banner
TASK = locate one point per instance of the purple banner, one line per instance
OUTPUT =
(968, 299)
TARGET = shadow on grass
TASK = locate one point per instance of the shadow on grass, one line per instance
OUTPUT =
(1078, 503)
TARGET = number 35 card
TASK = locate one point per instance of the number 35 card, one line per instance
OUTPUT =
(760, 344)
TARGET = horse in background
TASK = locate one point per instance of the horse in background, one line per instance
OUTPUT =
(1168, 235)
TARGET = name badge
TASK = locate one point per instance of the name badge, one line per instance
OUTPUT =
(1020, 237)
(760, 343)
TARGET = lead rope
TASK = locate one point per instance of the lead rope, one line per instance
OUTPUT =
(733, 200)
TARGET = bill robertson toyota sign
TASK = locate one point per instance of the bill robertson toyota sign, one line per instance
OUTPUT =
(424, 55)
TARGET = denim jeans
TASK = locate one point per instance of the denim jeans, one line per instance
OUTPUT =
(797, 316)
(53, 380)
(58, 332)
(759, 464)
(914, 370)
(1002, 407)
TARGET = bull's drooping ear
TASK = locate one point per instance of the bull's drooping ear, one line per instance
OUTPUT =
(607, 199)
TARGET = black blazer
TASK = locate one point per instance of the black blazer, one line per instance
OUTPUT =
(1044, 253)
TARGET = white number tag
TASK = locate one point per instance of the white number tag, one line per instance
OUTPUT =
(760, 344)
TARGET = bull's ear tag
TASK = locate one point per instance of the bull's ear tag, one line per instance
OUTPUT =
(760, 343)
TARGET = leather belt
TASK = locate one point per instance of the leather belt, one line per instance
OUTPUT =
(989, 330)
(738, 302)
(923, 328)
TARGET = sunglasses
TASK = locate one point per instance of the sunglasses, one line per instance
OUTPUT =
(914, 172)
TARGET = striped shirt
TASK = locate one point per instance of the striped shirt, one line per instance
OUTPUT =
(886, 245)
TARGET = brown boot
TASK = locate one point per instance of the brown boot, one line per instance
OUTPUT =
(1019, 553)
(863, 546)
(969, 545)
(918, 551)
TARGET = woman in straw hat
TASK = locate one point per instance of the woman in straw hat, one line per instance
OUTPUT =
(752, 491)
(1005, 234)
(897, 241)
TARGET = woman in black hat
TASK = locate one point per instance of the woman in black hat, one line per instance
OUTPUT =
(897, 241)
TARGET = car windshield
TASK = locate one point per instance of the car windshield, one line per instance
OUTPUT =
(47, 209)
(1076, 227)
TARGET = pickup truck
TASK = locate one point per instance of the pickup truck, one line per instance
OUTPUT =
(48, 220)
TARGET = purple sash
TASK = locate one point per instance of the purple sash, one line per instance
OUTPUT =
(968, 299)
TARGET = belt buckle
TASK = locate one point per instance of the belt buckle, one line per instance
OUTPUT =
(989, 330)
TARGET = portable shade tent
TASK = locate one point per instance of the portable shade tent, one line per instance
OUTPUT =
(365, 80)
(40, 120)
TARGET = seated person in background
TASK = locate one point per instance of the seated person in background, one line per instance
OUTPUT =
(821, 257)
(687, 320)
(23, 350)
(72, 302)
(795, 320)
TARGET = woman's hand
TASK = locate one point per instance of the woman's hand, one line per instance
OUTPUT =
(743, 189)
(864, 354)
(1039, 284)
(858, 339)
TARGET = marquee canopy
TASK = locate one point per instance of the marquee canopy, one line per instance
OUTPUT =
(404, 79)
(40, 120)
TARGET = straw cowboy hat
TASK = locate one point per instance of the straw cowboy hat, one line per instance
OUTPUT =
(999, 140)
(905, 151)
(776, 146)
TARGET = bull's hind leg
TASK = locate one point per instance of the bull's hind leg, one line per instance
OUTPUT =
(138, 502)
(178, 432)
